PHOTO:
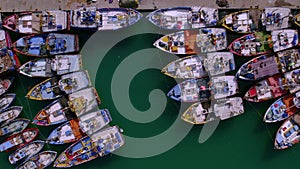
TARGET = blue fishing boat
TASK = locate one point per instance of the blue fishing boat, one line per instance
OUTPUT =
(44, 45)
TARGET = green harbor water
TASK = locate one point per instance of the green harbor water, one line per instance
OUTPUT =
(243, 142)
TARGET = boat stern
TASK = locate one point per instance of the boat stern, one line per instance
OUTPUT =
(175, 93)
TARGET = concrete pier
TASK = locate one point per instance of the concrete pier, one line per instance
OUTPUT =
(32, 5)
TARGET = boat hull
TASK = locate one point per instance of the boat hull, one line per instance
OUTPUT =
(5, 84)
(37, 22)
(283, 108)
(18, 140)
(180, 18)
(54, 87)
(6, 100)
(103, 18)
(66, 133)
(74, 155)
(275, 18)
(46, 67)
(193, 41)
(287, 134)
(10, 114)
(201, 113)
(14, 127)
(25, 152)
(204, 89)
(245, 21)
(40, 161)
(55, 113)
(44, 45)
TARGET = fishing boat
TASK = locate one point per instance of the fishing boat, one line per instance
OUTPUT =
(88, 148)
(10, 114)
(297, 19)
(55, 113)
(94, 121)
(193, 41)
(253, 44)
(218, 63)
(180, 18)
(204, 89)
(274, 18)
(14, 126)
(267, 65)
(64, 109)
(260, 43)
(199, 66)
(283, 108)
(39, 161)
(19, 140)
(204, 112)
(274, 86)
(54, 87)
(44, 45)
(244, 21)
(25, 152)
(5, 83)
(6, 100)
(103, 18)
(284, 39)
(49, 67)
(66, 133)
(8, 61)
(37, 22)
(5, 40)
(288, 133)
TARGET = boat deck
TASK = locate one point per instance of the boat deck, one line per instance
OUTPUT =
(289, 59)
(276, 18)
(265, 67)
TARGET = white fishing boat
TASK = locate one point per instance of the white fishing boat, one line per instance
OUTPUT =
(103, 18)
(6, 100)
(180, 18)
(94, 121)
(204, 89)
(284, 39)
(39, 161)
(48, 67)
(13, 127)
(200, 66)
(10, 114)
(204, 112)
(26, 151)
(54, 87)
